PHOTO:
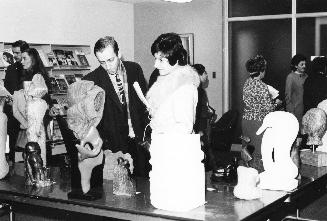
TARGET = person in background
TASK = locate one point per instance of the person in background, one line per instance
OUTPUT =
(257, 104)
(124, 116)
(314, 87)
(294, 86)
(11, 83)
(204, 115)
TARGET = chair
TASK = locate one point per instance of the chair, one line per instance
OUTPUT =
(223, 131)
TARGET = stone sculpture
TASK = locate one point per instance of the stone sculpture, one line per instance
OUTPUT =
(280, 131)
(85, 108)
(4, 167)
(122, 182)
(35, 110)
(314, 124)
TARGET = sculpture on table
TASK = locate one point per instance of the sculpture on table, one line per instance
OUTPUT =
(122, 182)
(4, 167)
(35, 110)
(323, 147)
(35, 172)
(246, 187)
(29, 109)
(314, 125)
(85, 108)
(280, 131)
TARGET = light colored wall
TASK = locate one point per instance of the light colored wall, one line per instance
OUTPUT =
(201, 17)
(68, 22)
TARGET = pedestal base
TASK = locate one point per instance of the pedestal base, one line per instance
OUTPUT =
(317, 158)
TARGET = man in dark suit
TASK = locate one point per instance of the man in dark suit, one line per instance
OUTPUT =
(13, 83)
(124, 115)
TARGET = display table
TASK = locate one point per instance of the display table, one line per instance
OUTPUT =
(221, 203)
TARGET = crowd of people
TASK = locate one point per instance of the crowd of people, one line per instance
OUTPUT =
(177, 98)
(305, 88)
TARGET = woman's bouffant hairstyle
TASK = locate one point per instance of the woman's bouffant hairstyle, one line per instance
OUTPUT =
(37, 65)
(296, 60)
(104, 42)
(256, 65)
(171, 47)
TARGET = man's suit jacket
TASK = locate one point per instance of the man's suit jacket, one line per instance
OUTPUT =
(113, 127)
(13, 77)
(13, 83)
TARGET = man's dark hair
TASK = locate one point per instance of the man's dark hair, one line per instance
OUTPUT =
(199, 68)
(21, 44)
(104, 42)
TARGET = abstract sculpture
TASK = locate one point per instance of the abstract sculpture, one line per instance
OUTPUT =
(280, 130)
(323, 147)
(4, 167)
(122, 182)
(85, 108)
(29, 109)
(35, 110)
(246, 187)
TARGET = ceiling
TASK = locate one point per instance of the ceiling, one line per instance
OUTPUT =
(137, 1)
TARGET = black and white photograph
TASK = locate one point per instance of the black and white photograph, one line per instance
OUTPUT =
(163, 110)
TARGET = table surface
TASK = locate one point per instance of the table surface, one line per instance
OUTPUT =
(220, 201)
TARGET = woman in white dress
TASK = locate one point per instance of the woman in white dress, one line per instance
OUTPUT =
(177, 177)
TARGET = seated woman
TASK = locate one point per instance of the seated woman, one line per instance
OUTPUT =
(257, 104)
(175, 152)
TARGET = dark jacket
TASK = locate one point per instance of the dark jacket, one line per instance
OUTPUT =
(113, 127)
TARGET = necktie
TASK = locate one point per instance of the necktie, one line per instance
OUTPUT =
(120, 86)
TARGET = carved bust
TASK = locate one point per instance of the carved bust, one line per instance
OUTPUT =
(314, 124)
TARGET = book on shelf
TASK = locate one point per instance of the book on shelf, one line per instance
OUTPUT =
(61, 57)
(43, 58)
(7, 57)
(52, 59)
(54, 86)
(82, 58)
(70, 78)
(63, 86)
(70, 59)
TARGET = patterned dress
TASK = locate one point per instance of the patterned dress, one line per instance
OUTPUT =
(257, 104)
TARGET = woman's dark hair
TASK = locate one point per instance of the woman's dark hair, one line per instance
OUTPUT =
(37, 66)
(199, 68)
(171, 47)
(296, 60)
(256, 65)
(104, 42)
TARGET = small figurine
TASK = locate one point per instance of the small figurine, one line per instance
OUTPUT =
(280, 130)
(122, 182)
(35, 172)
